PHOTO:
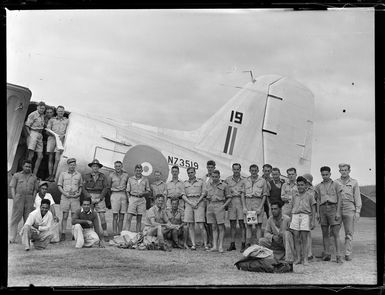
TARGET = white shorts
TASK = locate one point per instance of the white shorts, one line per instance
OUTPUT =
(300, 222)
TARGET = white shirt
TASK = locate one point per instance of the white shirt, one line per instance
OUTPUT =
(43, 223)
(47, 196)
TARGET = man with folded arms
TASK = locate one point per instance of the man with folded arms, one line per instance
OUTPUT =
(38, 227)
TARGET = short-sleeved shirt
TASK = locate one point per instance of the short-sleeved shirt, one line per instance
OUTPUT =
(96, 184)
(70, 182)
(175, 217)
(328, 191)
(217, 192)
(351, 196)
(118, 180)
(24, 184)
(175, 189)
(236, 187)
(255, 189)
(47, 196)
(158, 188)
(159, 215)
(268, 179)
(35, 120)
(194, 188)
(302, 203)
(136, 186)
(59, 126)
(272, 228)
(288, 190)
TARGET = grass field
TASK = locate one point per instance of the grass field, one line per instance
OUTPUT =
(63, 265)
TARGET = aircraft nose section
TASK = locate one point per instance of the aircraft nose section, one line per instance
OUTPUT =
(150, 158)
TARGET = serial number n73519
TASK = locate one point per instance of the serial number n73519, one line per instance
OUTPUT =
(182, 162)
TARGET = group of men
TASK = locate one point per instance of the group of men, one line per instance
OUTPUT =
(40, 127)
(173, 209)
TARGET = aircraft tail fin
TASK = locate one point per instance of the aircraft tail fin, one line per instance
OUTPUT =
(268, 121)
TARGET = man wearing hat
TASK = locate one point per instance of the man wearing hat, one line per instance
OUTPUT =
(95, 187)
(70, 185)
(310, 189)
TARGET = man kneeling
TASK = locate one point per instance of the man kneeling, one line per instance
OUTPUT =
(38, 227)
(157, 223)
(278, 236)
(85, 223)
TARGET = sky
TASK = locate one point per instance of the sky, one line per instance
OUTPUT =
(175, 68)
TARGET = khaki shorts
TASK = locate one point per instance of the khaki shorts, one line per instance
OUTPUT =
(251, 205)
(300, 222)
(214, 214)
(99, 207)
(236, 209)
(35, 141)
(136, 206)
(328, 214)
(69, 204)
(194, 215)
(119, 202)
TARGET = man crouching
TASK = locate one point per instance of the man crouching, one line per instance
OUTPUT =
(38, 227)
(156, 222)
(85, 223)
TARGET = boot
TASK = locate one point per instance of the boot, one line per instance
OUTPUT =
(339, 260)
(232, 247)
(243, 248)
(63, 237)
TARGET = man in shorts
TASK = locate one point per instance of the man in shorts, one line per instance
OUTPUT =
(158, 187)
(95, 187)
(137, 189)
(218, 196)
(175, 188)
(34, 126)
(58, 125)
(194, 190)
(87, 230)
(301, 223)
(24, 186)
(70, 185)
(311, 190)
(329, 197)
(118, 184)
(255, 193)
(235, 185)
(351, 206)
(210, 166)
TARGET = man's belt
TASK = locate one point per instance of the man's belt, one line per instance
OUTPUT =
(136, 196)
(193, 196)
(236, 196)
(37, 130)
(217, 201)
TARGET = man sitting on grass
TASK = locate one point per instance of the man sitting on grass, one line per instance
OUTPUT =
(301, 223)
(37, 227)
(85, 223)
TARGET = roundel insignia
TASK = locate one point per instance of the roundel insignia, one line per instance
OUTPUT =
(151, 160)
